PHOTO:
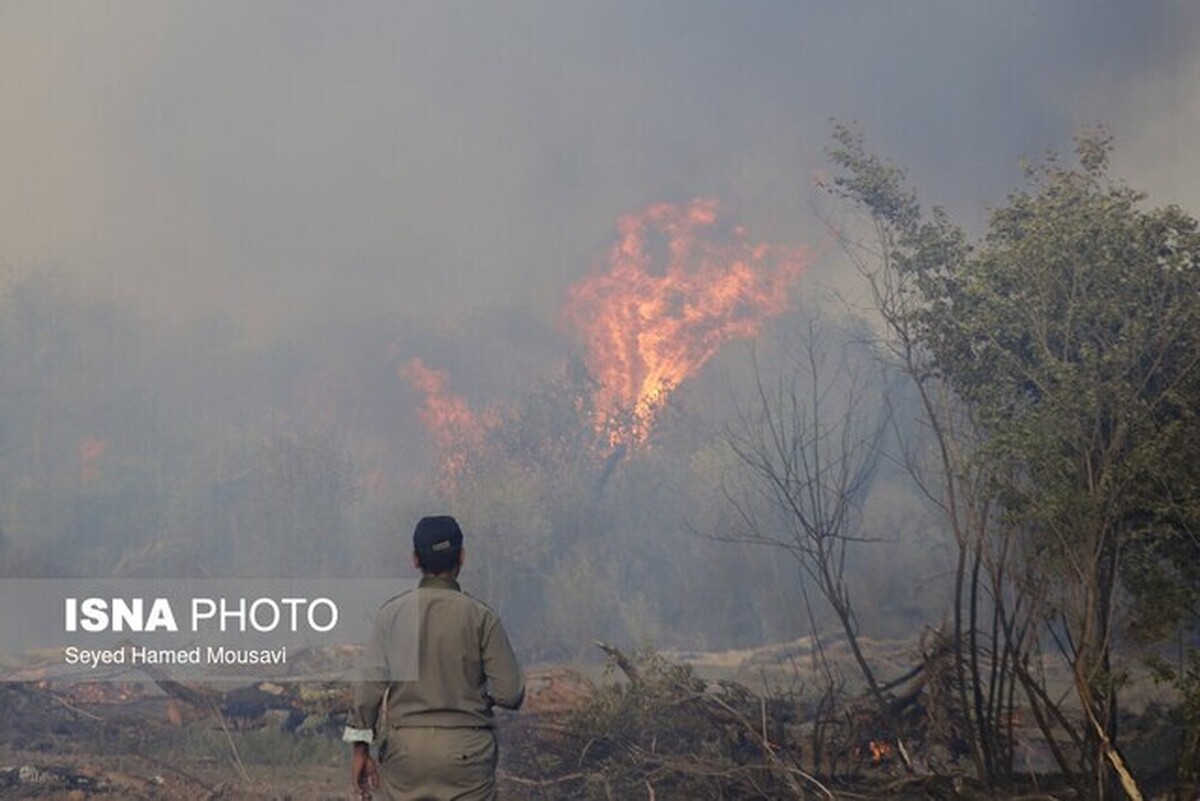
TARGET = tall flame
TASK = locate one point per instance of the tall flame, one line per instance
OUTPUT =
(678, 286)
(650, 323)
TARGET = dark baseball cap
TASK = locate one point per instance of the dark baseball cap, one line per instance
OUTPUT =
(437, 534)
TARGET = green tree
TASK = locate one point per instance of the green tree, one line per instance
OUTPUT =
(905, 258)
(1077, 336)
(1068, 339)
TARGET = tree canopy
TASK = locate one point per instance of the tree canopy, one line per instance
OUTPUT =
(1066, 345)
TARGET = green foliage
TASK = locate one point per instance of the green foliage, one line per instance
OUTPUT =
(1071, 332)
(1059, 362)
(877, 184)
(1074, 333)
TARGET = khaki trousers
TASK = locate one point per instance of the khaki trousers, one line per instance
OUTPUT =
(428, 764)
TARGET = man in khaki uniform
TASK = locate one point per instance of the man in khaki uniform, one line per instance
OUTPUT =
(436, 732)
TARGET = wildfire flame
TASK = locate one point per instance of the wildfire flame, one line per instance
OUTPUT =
(649, 323)
(677, 287)
(456, 430)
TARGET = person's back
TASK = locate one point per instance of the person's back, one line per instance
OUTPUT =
(436, 730)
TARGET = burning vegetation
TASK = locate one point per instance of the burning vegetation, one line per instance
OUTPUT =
(583, 495)
(675, 290)
(455, 429)
(678, 285)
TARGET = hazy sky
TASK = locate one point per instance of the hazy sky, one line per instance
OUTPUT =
(281, 162)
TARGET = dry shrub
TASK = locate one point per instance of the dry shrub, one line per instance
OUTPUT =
(661, 731)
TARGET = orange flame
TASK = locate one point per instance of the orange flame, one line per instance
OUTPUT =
(454, 427)
(649, 326)
(881, 752)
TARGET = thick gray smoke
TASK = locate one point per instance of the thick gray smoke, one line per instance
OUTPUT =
(284, 163)
(225, 227)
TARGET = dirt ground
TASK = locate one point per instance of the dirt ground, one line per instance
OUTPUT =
(54, 745)
(110, 742)
(133, 741)
(81, 767)
(130, 776)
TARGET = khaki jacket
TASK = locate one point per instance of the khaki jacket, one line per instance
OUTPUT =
(465, 664)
